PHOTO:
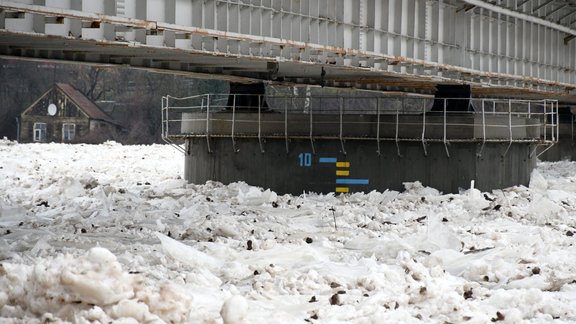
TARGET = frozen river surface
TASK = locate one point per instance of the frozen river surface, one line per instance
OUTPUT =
(111, 233)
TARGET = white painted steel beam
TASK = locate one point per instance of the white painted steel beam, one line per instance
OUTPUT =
(535, 10)
(88, 16)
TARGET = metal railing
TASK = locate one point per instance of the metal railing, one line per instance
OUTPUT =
(341, 118)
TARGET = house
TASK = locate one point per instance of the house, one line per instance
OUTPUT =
(63, 114)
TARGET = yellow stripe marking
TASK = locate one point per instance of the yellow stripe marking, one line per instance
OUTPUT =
(342, 189)
(342, 173)
(342, 164)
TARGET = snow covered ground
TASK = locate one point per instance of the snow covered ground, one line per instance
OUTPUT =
(112, 233)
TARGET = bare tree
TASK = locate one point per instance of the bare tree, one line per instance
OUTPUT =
(93, 81)
(20, 84)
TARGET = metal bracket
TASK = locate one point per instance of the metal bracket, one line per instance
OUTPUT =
(378, 126)
(444, 139)
(483, 130)
(260, 124)
(236, 150)
(424, 129)
(396, 138)
(286, 124)
(509, 127)
(341, 113)
(311, 131)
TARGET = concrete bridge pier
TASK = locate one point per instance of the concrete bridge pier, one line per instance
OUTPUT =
(345, 144)
(496, 165)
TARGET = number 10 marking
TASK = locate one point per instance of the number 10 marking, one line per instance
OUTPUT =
(305, 159)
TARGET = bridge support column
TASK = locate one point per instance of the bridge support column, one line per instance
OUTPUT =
(361, 168)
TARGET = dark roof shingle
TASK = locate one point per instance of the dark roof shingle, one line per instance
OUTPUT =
(93, 111)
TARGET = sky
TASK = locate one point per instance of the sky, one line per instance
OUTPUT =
(113, 233)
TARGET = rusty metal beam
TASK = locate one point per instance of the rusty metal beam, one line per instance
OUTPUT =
(75, 14)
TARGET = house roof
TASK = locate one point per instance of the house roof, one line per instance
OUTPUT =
(90, 108)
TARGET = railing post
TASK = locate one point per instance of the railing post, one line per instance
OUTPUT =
(164, 118)
(311, 131)
(259, 123)
(286, 123)
(545, 121)
(397, 126)
(168, 117)
(341, 113)
(165, 122)
(378, 124)
(423, 125)
(572, 126)
(233, 122)
(557, 122)
(444, 138)
(510, 118)
(509, 125)
(552, 122)
(483, 129)
(207, 121)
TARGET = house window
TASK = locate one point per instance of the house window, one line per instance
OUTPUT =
(68, 132)
(39, 132)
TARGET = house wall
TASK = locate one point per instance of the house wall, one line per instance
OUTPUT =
(67, 112)
(54, 127)
(65, 106)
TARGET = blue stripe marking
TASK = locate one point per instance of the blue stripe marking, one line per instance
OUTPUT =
(352, 181)
(327, 160)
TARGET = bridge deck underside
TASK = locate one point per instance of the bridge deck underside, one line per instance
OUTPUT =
(409, 45)
(206, 65)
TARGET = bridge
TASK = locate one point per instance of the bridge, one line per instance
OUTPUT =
(511, 47)
(515, 57)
